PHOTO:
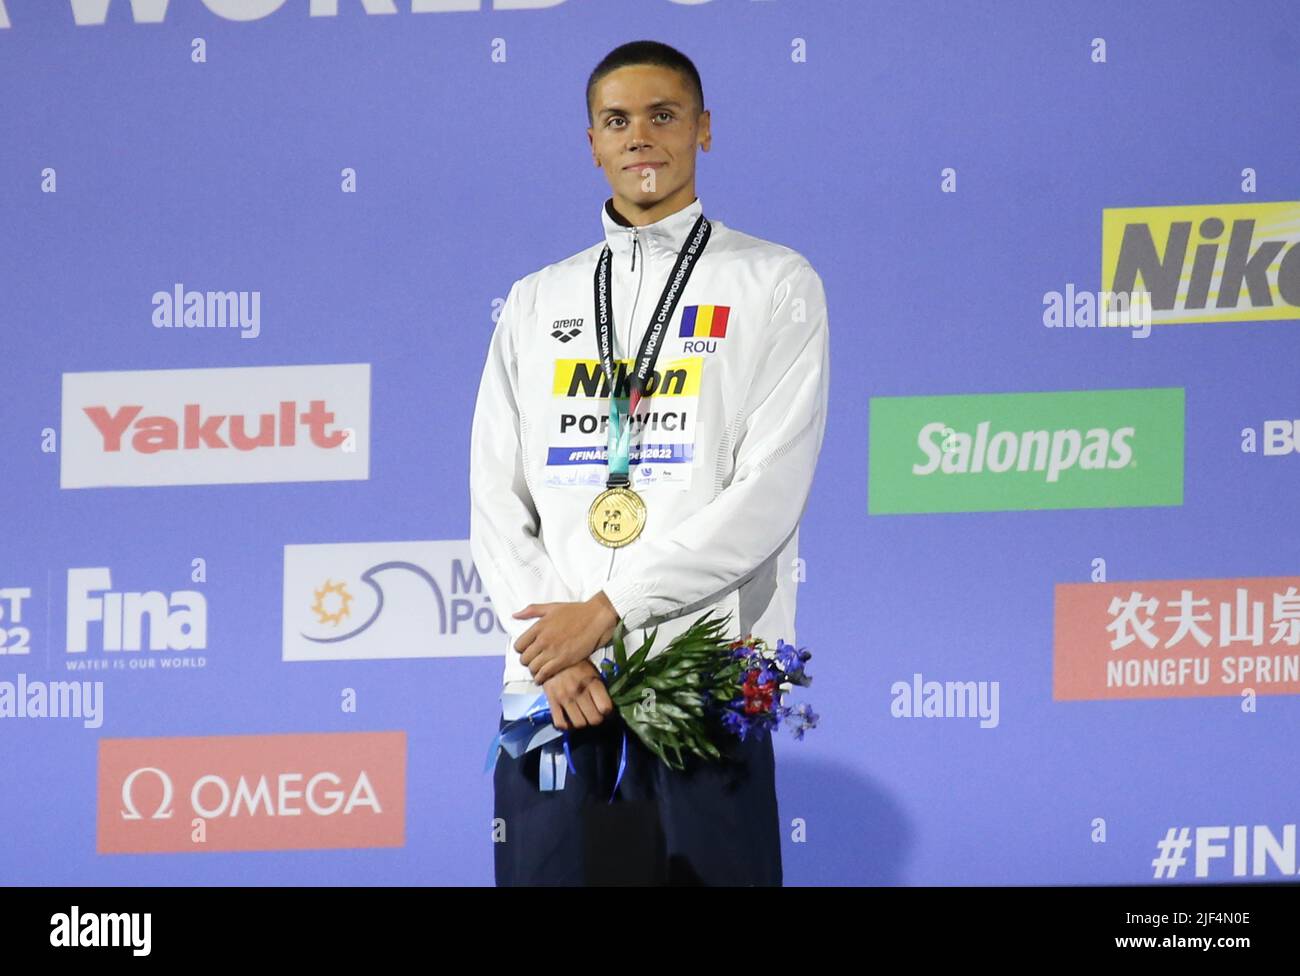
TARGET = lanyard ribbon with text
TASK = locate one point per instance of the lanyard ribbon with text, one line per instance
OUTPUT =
(617, 515)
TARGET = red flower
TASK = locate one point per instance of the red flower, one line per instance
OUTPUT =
(758, 696)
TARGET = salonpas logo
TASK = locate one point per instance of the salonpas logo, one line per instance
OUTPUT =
(1009, 451)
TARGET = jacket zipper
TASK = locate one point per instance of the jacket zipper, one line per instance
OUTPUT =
(627, 346)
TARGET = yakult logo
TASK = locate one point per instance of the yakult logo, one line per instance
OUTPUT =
(252, 792)
(126, 429)
(216, 426)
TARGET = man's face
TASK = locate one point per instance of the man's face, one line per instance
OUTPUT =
(645, 129)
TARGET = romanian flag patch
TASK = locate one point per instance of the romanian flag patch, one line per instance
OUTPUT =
(704, 321)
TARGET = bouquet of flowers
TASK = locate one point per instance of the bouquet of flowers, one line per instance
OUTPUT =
(703, 687)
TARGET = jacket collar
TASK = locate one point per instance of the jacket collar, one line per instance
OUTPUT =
(664, 236)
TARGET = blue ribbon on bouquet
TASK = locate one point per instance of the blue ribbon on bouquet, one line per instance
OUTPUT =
(528, 727)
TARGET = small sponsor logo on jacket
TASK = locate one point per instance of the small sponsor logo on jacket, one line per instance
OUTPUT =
(566, 329)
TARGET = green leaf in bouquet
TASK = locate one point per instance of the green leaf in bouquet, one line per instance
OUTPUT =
(695, 662)
(709, 749)
(640, 656)
(620, 649)
(672, 711)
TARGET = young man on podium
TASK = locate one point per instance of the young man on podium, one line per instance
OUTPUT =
(643, 446)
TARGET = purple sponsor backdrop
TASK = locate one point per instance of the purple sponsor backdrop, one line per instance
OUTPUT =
(471, 172)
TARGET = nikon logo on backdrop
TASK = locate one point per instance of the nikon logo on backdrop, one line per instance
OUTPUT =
(1012, 451)
(1216, 263)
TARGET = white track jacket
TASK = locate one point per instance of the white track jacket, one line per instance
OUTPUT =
(723, 446)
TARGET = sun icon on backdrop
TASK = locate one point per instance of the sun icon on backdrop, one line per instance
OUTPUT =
(333, 595)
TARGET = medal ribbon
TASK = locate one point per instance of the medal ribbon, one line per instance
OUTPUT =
(620, 426)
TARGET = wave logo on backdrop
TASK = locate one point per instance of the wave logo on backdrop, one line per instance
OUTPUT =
(1176, 638)
(1229, 262)
(252, 792)
(240, 425)
(1017, 451)
(373, 600)
(121, 624)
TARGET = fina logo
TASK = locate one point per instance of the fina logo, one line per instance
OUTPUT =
(176, 621)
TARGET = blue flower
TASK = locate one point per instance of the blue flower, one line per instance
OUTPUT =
(733, 721)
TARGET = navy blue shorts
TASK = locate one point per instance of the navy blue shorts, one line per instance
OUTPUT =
(713, 823)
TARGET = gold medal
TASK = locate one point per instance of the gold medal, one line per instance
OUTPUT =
(616, 517)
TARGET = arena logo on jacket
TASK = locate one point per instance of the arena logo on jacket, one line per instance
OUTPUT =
(566, 329)
(662, 435)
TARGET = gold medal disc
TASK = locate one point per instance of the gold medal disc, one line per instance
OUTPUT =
(616, 517)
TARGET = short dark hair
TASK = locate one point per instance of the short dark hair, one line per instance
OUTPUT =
(646, 52)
